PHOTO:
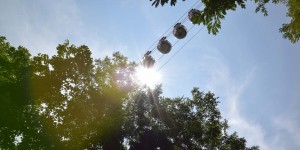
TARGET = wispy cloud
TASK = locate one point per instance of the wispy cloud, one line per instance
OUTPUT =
(287, 129)
(231, 88)
(41, 25)
(280, 132)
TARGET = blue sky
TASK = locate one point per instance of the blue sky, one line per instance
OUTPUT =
(254, 71)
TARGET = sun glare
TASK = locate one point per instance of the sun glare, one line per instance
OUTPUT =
(148, 77)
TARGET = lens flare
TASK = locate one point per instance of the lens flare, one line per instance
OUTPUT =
(148, 76)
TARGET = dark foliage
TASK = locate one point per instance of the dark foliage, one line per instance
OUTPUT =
(215, 10)
(70, 101)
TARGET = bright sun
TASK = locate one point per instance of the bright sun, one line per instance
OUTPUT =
(149, 77)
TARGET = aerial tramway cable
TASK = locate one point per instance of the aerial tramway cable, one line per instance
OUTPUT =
(179, 49)
(185, 18)
(179, 32)
(176, 42)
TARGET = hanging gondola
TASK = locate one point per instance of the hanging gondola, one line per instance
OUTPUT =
(164, 46)
(179, 31)
(147, 61)
(193, 14)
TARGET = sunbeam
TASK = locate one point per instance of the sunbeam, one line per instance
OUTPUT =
(148, 76)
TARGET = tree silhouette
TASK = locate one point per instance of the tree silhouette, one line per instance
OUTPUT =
(156, 122)
(70, 101)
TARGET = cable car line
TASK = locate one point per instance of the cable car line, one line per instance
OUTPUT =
(173, 25)
(176, 42)
(180, 49)
(195, 5)
(179, 31)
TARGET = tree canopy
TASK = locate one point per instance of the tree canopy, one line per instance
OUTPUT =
(215, 10)
(72, 101)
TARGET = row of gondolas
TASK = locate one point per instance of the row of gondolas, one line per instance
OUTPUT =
(163, 45)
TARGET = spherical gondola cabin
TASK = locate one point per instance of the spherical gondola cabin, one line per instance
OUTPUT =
(164, 46)
(147, 61)
(179, 31)
(193, 14)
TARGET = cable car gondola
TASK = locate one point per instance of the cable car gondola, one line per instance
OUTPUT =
(164, 46)
(179, 31)
(147, 61)
(193, 14)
